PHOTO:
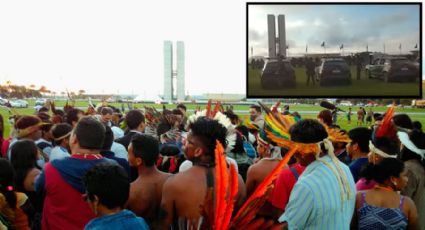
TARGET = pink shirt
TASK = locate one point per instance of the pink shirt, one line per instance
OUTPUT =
(363, 185)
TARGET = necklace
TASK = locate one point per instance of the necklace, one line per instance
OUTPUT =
(386, 188)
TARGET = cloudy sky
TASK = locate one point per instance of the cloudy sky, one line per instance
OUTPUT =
(355, 26)
(112, 46)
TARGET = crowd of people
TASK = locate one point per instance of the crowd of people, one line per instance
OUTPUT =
(104, 168)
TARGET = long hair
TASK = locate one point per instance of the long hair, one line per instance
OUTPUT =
(1, 127)
(7, 182)
(23, 159)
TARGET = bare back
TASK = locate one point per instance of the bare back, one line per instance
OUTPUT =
(258, 172)
(145, 195)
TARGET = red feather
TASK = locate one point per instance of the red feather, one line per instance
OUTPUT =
(385, 127)
(257, 199)
(275, 107)
(231, 200)
(221, 183)
(216, 109)
(208, 108)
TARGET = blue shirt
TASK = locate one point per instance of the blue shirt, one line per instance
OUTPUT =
(316, 202)
(122, 220)
(356, 166)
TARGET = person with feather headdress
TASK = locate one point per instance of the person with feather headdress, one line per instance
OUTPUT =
(187, 195)
(324, 195)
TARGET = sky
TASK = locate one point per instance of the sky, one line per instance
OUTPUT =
(111, 46)
(353, 26)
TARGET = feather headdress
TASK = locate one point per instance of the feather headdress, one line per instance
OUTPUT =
(217, 115)
(387, 127)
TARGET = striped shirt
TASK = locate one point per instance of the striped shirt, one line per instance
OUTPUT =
(315, 201)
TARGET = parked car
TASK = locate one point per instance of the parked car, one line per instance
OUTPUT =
(398, 69)
(40, 101)
(19, 104)
(333, 71)
(278, 73)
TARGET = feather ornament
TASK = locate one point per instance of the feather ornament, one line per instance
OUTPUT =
(385, 128)
(260, 195)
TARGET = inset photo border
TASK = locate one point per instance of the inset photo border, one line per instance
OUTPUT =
(336, 50)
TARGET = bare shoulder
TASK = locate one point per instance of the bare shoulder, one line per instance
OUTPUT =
(408, 203)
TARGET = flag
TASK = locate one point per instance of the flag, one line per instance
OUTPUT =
(341, 46)
(323, 44)
(416, 46)
(367, 48)
(399, 47)
(306, 48)
(287, 47)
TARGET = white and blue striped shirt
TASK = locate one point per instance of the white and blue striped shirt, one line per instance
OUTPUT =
(315, 202)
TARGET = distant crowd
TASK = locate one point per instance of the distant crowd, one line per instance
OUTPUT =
(104, 168)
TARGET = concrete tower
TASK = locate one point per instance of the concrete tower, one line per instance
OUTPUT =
(180, 71)
(168, 71)
(272, 35)
(171, 76)
(282, 34)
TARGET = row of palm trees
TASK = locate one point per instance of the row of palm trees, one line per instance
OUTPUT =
(16, 91)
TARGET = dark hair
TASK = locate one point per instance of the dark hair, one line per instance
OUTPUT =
(177, 112)
(418, 139)
(417, 125)
(403, 120)
(109, 138)
(308, 131)
(106, 110)
(231, 115)
(27, 121)
(243, 130)
(43, 109)
(208, 131)
(145, 147)
(90, 133)
(361, 136)
(169, 150)
(60, 130)
(109, 182)
(23, 158)
(238, 148)
(386, 145)
(162, 128)
(7, 179)
(72, 115)
(182, 106)
(45, 117)
(377, 116)
(256, 107)
(382, 171)
(133, 119)
(326, 116)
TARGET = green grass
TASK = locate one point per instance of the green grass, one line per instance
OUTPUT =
(242, 110)
(362, 87)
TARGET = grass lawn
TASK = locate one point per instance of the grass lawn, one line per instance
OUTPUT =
(364, 87)
(242, 110)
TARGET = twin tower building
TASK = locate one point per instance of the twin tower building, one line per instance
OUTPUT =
(174, 74)
(272, 39)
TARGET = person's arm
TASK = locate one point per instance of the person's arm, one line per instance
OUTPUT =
(412, 185)
(354, 220)
(251, 183)
(241, 195)
(166, 210)
(412, 214)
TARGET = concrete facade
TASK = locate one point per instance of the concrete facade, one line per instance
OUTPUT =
(168, 71)
(174, 79)
(271, 28)
(282, 34)
(180, 71)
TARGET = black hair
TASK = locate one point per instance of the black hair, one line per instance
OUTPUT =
(90, 133)
(208, 131)
(106, 110)
(109, 138)
(109, 182)
(308, 131)
(382, 171)
(361, 136)
(238, 148)
(403, 120)
(23, 158)
(72, 115)
(418, 139)
(145, 147)
(133, 119)
(169, 150)
(256, 107)
(59, 130)
(377, 116)
(232, 116)
(182, 106)
(177, 112)
(386, 145)
(162, 128)
(7, 182)
(417, 125)
(244, 130)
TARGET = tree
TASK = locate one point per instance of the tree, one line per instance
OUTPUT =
(81, 92)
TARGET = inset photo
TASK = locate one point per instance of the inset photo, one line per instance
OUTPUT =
(334, 50)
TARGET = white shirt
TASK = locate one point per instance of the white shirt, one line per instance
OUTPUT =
(58, 152)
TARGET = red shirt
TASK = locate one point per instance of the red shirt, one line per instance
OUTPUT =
(5, 146)
(283, 186)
